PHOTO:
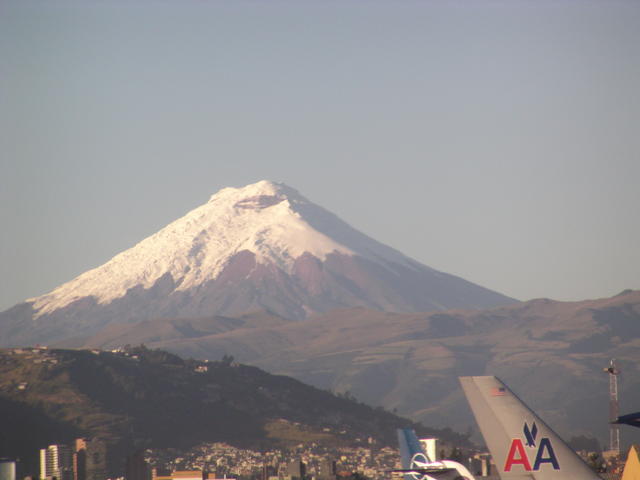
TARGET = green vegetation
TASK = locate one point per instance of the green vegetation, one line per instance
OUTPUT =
(151, 398)
(288, 434)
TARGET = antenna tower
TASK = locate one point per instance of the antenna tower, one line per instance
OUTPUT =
(614, 430)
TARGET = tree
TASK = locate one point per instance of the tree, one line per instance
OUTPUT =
(596, 462)
(455, 455)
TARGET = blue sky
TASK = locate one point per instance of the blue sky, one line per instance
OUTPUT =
(495, 140)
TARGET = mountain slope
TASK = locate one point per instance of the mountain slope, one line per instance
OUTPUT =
(261, 247)
(550, 352)
(151, 399)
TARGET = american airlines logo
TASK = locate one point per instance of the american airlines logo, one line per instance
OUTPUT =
(521, 453)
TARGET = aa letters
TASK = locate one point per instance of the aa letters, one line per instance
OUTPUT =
(543, 452)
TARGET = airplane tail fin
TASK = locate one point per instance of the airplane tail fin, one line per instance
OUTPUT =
(410, 449)
(417, 465)
(521, 444)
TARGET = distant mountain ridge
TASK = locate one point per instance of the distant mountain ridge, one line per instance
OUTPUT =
(260, 247)
(551, 352)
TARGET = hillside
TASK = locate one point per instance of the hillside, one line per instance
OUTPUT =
(148, 398)
(551, 353)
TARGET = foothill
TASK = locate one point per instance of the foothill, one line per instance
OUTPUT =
(52, 382)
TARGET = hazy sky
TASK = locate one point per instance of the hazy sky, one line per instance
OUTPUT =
(495, 140)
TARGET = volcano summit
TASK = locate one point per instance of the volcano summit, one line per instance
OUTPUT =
(260, 247)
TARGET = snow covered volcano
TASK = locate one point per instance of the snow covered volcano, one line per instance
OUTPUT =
(260, 247)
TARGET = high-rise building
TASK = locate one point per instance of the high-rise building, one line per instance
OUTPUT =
(43, 463)
(7, 469)
(96, 460)
(137, 468)
(56, 461)
(79, 459)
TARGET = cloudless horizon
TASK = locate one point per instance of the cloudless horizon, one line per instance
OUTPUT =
(494, 140)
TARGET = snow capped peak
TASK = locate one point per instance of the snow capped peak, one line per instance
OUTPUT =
(260, 246)
(263, 188)
(271, 220)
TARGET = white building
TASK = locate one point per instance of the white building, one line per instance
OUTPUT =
(7, 470)
(56, 461)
